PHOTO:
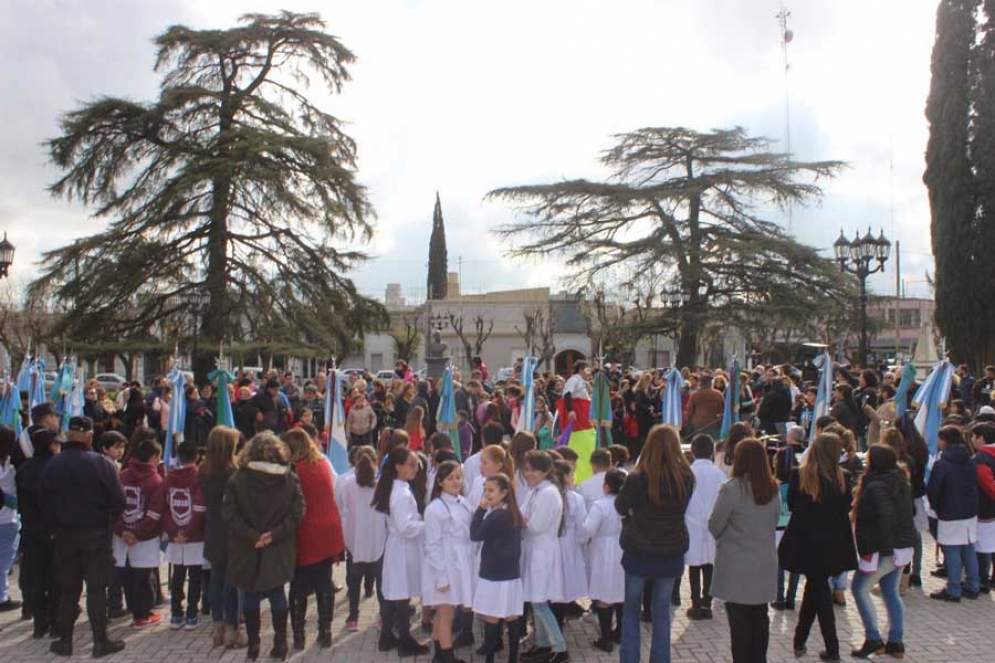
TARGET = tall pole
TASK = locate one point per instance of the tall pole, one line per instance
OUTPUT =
(898, 303)
(862, 355)
(786, 37)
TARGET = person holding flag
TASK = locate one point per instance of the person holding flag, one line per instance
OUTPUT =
(575, 414)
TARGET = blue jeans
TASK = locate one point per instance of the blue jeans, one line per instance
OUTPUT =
(548, 633)
(958, 559)
(888, 577)
(222, 597)
(838, 583)
(660, 642)
(8, 550)
(277, 599)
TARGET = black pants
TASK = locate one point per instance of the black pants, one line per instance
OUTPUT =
(749, 627)
(83, 556)
(38, 578)
(139, 591)
(315, 578)
(176, 582)
(817, 602)
(355, 573)
(701, 594)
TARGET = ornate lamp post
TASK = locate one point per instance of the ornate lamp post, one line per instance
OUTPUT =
(856, 257)
(197, 301)
(6, 255)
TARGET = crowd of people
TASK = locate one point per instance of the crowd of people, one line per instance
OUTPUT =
(492, 536)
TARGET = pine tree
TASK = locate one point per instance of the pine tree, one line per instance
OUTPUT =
(960, 176)
(684, 202)
(438, 259)
(231, 183)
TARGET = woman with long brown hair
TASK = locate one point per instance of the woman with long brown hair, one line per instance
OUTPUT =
(654, 538)
(743, 523)
(818, 542)
(213, 474)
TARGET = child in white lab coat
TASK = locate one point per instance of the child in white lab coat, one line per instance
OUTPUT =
(606, 585)
(700, 556)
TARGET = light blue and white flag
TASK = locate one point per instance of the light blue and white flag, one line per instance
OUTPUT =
(931, 399)
(824, 393)
(672, 406)
(446, 415)
(338, 445)
(177, 417)
(730, 411)
(902, 395)
(526, 420)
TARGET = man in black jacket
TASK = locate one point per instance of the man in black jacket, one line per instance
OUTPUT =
(81, 495)
(37, 549)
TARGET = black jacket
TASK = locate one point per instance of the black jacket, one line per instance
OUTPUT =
(884, 519)
(953, 485)
(502, 550)
(774, 408)
(648, 529)
(80, 490)
(212, 488)
(28, 479)
(818, 540)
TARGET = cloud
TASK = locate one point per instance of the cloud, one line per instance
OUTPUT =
(464, 97)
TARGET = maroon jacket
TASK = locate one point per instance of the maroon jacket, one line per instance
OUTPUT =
(185, 510)
(144, 501)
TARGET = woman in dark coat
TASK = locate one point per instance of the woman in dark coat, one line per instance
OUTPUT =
(213, 475)
(263, 507)
(818, 541)
(775, 407)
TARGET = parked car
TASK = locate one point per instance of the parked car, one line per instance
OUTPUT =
(387, 375)
(112, 382)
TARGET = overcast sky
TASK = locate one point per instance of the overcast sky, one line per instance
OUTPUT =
(463, 96)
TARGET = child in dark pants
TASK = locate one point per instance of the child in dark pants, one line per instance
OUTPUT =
(184, 525)
(137, 530)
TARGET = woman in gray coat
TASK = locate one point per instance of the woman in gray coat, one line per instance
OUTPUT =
(743, 523)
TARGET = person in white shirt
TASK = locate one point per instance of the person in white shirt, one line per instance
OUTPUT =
(606, 578)
(364, 529)
(700, 556)
(491, 434)
(593, 489)
(403, 551)
(448, 575)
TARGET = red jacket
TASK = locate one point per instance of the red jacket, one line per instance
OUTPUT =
(144, 501)
(185, 510)
(319, 535)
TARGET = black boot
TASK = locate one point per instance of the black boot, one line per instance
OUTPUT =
(604, 643)
(492, 636)
(252, 632)
(298, 619)
(326, 606)
(279, 650)
(464, 622)
(387, 640)
(617, 633)
(516, 629)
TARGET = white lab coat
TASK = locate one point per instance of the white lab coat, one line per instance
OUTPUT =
(449, 558)
(403, 552)
(542, 573)
(471, 470)
(602, 529)
(707, 481)
(364, 528)
(573, 553)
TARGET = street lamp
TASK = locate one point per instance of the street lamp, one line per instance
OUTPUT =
(438, 322)
(856, 257)
(196, 301)
(6, 255)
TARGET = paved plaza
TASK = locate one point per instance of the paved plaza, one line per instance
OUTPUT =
(934, 632)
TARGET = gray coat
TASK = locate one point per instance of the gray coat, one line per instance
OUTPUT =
(745, 556)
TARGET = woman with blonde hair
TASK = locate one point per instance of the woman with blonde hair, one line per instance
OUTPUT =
(215, 470)
(319, 539)
(654, 537)
(818, 542)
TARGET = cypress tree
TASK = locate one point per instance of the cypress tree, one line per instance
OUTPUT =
(960, 176)
(438, 260)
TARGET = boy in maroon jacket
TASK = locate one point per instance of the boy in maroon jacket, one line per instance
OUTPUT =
(184, 525)
(137, 530)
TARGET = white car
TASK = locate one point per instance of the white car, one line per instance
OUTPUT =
(385, 375)
(110, 381)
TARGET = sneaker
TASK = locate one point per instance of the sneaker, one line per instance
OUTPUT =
(869, 648)
(152, 619)
(942, 595)
(176, 623)
(352, 625)
(192, 623)
(895, 649)
(107, 647)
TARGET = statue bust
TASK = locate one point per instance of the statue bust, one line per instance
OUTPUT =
(436, 348)
(435, 356)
